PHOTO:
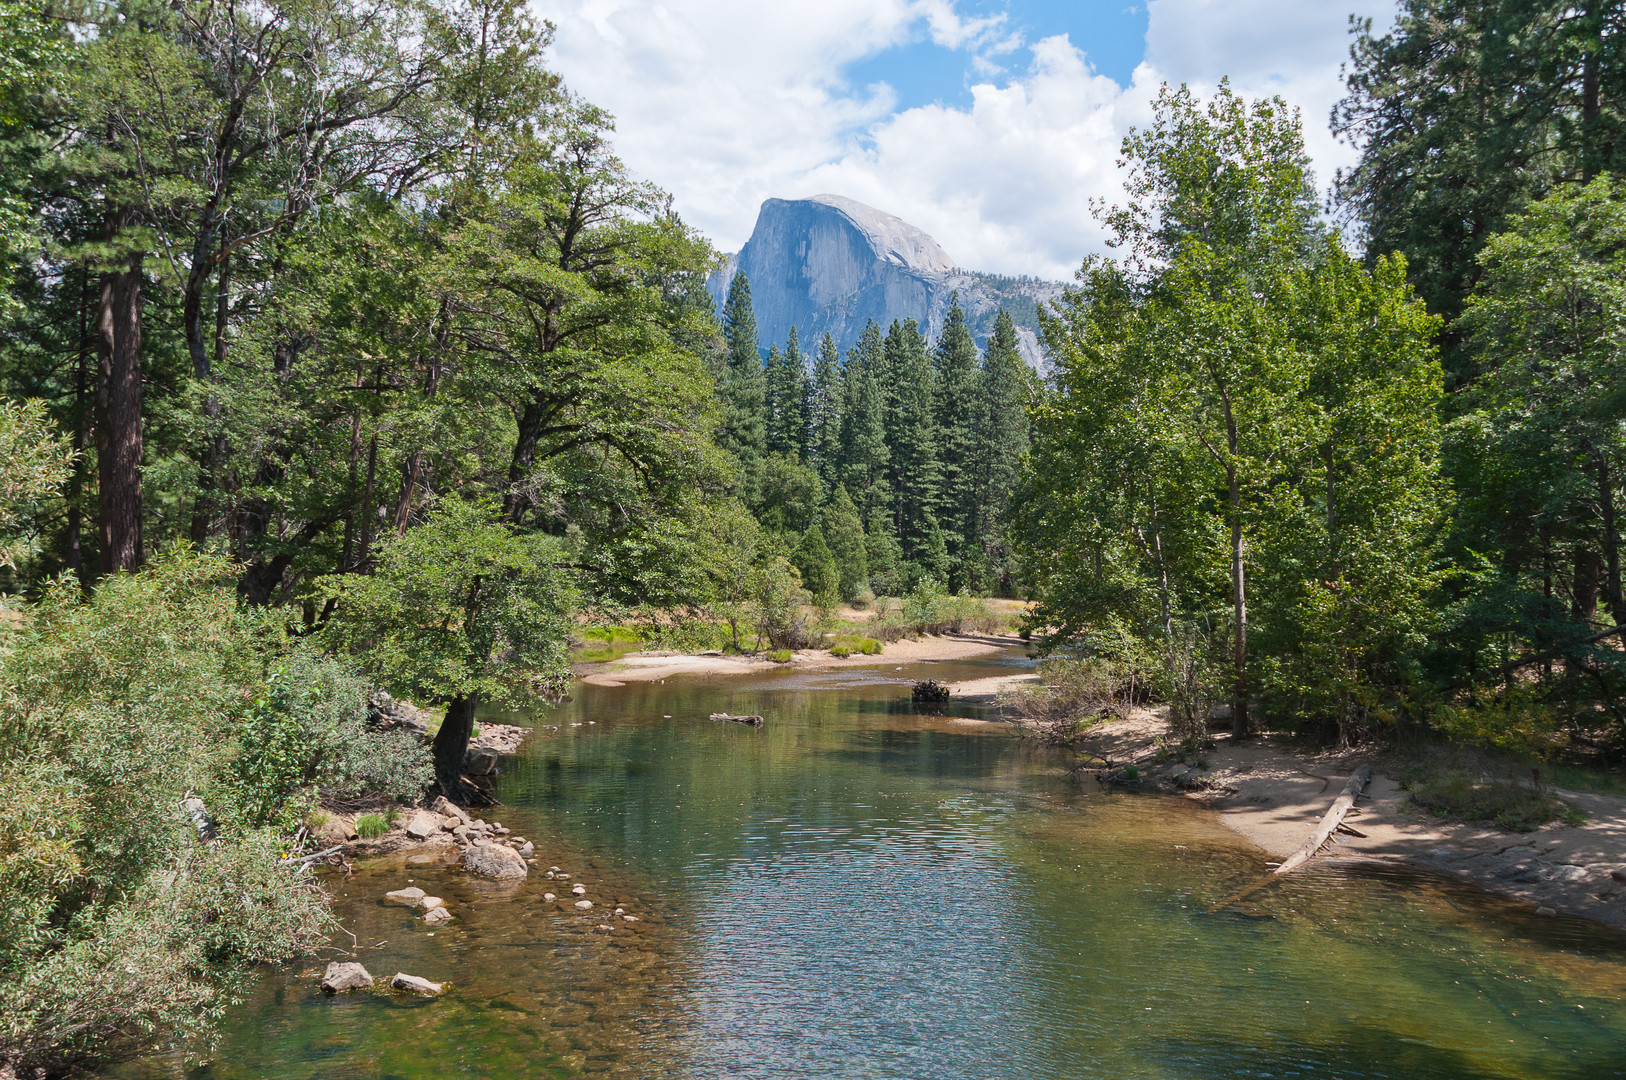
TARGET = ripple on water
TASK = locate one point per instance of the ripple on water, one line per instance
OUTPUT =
(857, 891)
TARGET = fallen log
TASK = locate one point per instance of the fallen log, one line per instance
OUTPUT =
(749, 721)
(1330, 821)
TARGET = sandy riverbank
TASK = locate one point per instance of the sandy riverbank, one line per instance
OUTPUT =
(653, 667)
(1274, 796)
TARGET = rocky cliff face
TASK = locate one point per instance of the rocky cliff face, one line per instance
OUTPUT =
(829, 264)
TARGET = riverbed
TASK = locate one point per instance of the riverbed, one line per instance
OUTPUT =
(857, 890)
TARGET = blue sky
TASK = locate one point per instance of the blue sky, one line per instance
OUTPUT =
(992, 124)
(922, 72)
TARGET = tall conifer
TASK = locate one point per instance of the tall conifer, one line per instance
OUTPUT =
(824, 414)
(911, 437)
(956, 409)
(1000, 424)
(863, 432)
(743, 431)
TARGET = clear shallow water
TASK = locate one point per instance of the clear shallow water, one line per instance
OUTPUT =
(856, 891)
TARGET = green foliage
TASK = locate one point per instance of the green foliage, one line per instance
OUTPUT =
(744, 389)
(844, 535)
(127, 931)
(372, 826)
(817, 567)
(782, 656)
(1243, 430)
(461, 606)
(33, 462)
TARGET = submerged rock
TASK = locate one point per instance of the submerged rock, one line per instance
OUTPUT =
(410, 896)
(584, 904)
(342, 977)
(438, 915)
(494, 861)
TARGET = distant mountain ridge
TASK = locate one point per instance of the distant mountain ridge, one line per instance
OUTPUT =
(829, 264)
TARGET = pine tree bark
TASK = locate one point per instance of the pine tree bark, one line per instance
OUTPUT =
(118, 419)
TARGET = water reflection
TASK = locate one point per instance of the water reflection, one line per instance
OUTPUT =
(859, 891)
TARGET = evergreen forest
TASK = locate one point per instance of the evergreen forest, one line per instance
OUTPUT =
(340, 352)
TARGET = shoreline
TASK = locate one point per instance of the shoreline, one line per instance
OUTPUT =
(639, 667)
(1274, 794)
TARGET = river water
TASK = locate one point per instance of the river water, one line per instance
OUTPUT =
(857, 891)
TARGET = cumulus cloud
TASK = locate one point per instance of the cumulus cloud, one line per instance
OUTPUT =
(726, 104)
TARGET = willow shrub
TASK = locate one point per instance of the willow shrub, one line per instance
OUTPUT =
(125, 930)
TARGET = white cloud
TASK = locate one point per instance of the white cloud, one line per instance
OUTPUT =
(726, 104)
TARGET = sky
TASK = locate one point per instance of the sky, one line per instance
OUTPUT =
(991, 124)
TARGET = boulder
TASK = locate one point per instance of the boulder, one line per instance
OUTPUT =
(438, 915)
(526, 849)
(447, 808)
(494, 861)
(342, 977)
(480, 761)
(411, 896)
(429, 902)
(423, 825)
(403, 981)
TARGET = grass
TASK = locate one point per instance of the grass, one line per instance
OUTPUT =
(782, 656)
(372, 826)
(846, 645)
(1513, 806)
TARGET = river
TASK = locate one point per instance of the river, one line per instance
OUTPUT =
(857, 891)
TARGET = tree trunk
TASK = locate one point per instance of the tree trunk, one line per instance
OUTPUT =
(451, 743)
(1611, 544)
(1584, 590)
(118, 407)
(1240, 726)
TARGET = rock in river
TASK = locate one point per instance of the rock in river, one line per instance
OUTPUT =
(411, 897)
(438, 915)
(423, 825)
(341, 977)
(403, 981)
(494, 861)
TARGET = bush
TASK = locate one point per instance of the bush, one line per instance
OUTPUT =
(124, 931)
(372, 826)
(847, 644)
(782, 656)
(1074, 693)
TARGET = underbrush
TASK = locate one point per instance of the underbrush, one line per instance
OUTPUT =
(1073, 695)
(930, 610)
(1465, 784)
(372, 826)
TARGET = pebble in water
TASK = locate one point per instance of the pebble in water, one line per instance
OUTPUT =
(584, 904)
(548, 896)
(579, 890)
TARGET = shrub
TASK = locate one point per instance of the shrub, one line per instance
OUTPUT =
(124, 931)
(847, 644)
(372, 826)
(841, 652)
(1073, 693)
(782, 656)
(1465, 793)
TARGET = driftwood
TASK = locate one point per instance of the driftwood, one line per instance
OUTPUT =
(749, 721)
(1330, 821)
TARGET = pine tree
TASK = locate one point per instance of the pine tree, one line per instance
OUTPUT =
(1000, 424)
(911, 437)
(824, 414)
(817, 566)
(955, 414)
(787, 400)
(743, 432)
(863, 461)
(844, 533)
